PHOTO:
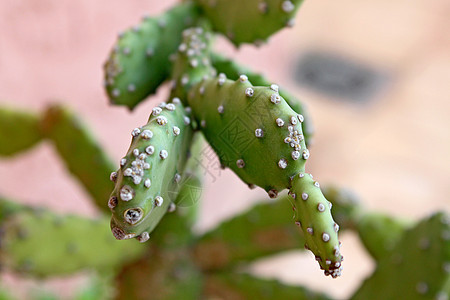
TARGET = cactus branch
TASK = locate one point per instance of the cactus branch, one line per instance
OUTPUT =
(139, 62)
(19, 131)
(80, 151)
(72, 243)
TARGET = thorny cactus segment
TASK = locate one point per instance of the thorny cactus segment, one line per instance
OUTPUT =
(19, 131)
(417, 268)
(250, 21)
(150, 172)
(233, 70)
(192, 61)
(71, 243)
(265, 229)
(313, 215)
(252, 129)
(380, 233)
(139, 62)
(237, 286)
(80, 151)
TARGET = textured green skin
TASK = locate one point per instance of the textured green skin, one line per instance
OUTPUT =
(144, 72)
(80, 152)
(321, 221)
(19, 131)
(233, 70)
(72, 243)
(232, 133)
(421, 257)
(193, 66)
(161, 172)
(235, 286)
(263, 230)
(243, 21)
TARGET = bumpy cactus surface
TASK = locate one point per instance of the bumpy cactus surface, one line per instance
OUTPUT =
(150, 170)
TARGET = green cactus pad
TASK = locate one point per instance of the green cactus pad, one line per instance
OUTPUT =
(251, 21)
(80, 151)
(150, 172)
(380, 233)
(19, 131)
(313, 215)
(192, 61)
(252, 129)
(43, 244)
(233, 70)
(235, 286)
(265, 229)
(139, 62)
(417, 268)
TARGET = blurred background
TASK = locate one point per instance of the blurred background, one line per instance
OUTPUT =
(374, 74)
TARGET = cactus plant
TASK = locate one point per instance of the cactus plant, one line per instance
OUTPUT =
(257, 129)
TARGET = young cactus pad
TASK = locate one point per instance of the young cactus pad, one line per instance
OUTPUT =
(252, 129)
(150, 171)
(139, 62)
(313, 215)
(192, 61)
(418, 267)
(249, 21)
(44, 244)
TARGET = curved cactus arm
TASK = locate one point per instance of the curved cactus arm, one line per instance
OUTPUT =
(233, 70)
(192, 61)
(265, 229)
(313, 215)
(237, 286)
(251, 21)
(19, 131)
(252, 129)
(417, 268)
(139, 62)
(67, 244)
(150, 171)
(380, 233)
(80, 152)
